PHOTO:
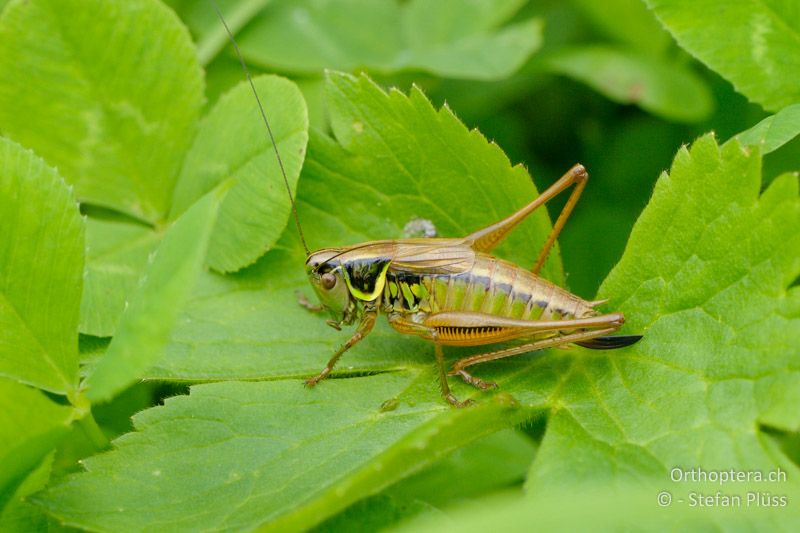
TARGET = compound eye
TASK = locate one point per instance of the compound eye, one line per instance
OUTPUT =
(328, 281)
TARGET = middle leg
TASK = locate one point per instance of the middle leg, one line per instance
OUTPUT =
(404, 325)
(446, 394)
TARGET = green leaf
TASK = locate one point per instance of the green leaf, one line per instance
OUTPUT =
(146, 324)
(395, 158)
(41, 272)
(450, 38)
(116, 255)
(30, 427)
(754, 44)
(706, 278)
(233, 144)
(659, 86)
(271, 452)
(109, 92)
(774, 131)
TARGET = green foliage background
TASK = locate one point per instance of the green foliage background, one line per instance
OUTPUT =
(151, 347)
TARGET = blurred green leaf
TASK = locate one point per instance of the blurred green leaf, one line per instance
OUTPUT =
(495, 462)
(600, 508)
(468, 473)
(246, 443)
(77, 84)
(233, 144)
(116, 254)
(754, 44)
(661, 87)
(146, 324)
(41, 272)
(378, 513)
(450, 38)
(789, 443)
(627, 22)
(394, 158)
(30, 427)
(624, 158)
(208, 31)
(774, 131)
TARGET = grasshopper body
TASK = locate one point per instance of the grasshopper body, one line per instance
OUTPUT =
(453, 292)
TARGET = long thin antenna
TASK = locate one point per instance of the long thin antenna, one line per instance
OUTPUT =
(266, 123)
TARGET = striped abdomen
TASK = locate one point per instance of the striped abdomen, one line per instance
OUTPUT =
(492, 286)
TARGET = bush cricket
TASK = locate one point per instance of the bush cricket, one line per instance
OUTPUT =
(452, 291)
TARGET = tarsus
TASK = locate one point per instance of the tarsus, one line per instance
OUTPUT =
(266, 123)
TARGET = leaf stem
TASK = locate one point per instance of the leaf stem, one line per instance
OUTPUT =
(87, 423)
(93, 432)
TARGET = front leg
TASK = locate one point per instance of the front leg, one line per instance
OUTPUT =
(363, 329)
(304, 302)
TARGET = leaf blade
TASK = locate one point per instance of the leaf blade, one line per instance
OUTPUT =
(41, 264)
(774, 131)
(113, 130)
(146, 324)
(259, 434)
(770, 43)
(233, 144)
(452, 38)
(117, 253)
(656, 85)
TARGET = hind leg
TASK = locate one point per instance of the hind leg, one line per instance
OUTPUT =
(461, 364)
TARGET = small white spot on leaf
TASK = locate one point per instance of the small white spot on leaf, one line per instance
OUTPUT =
(419, 227)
